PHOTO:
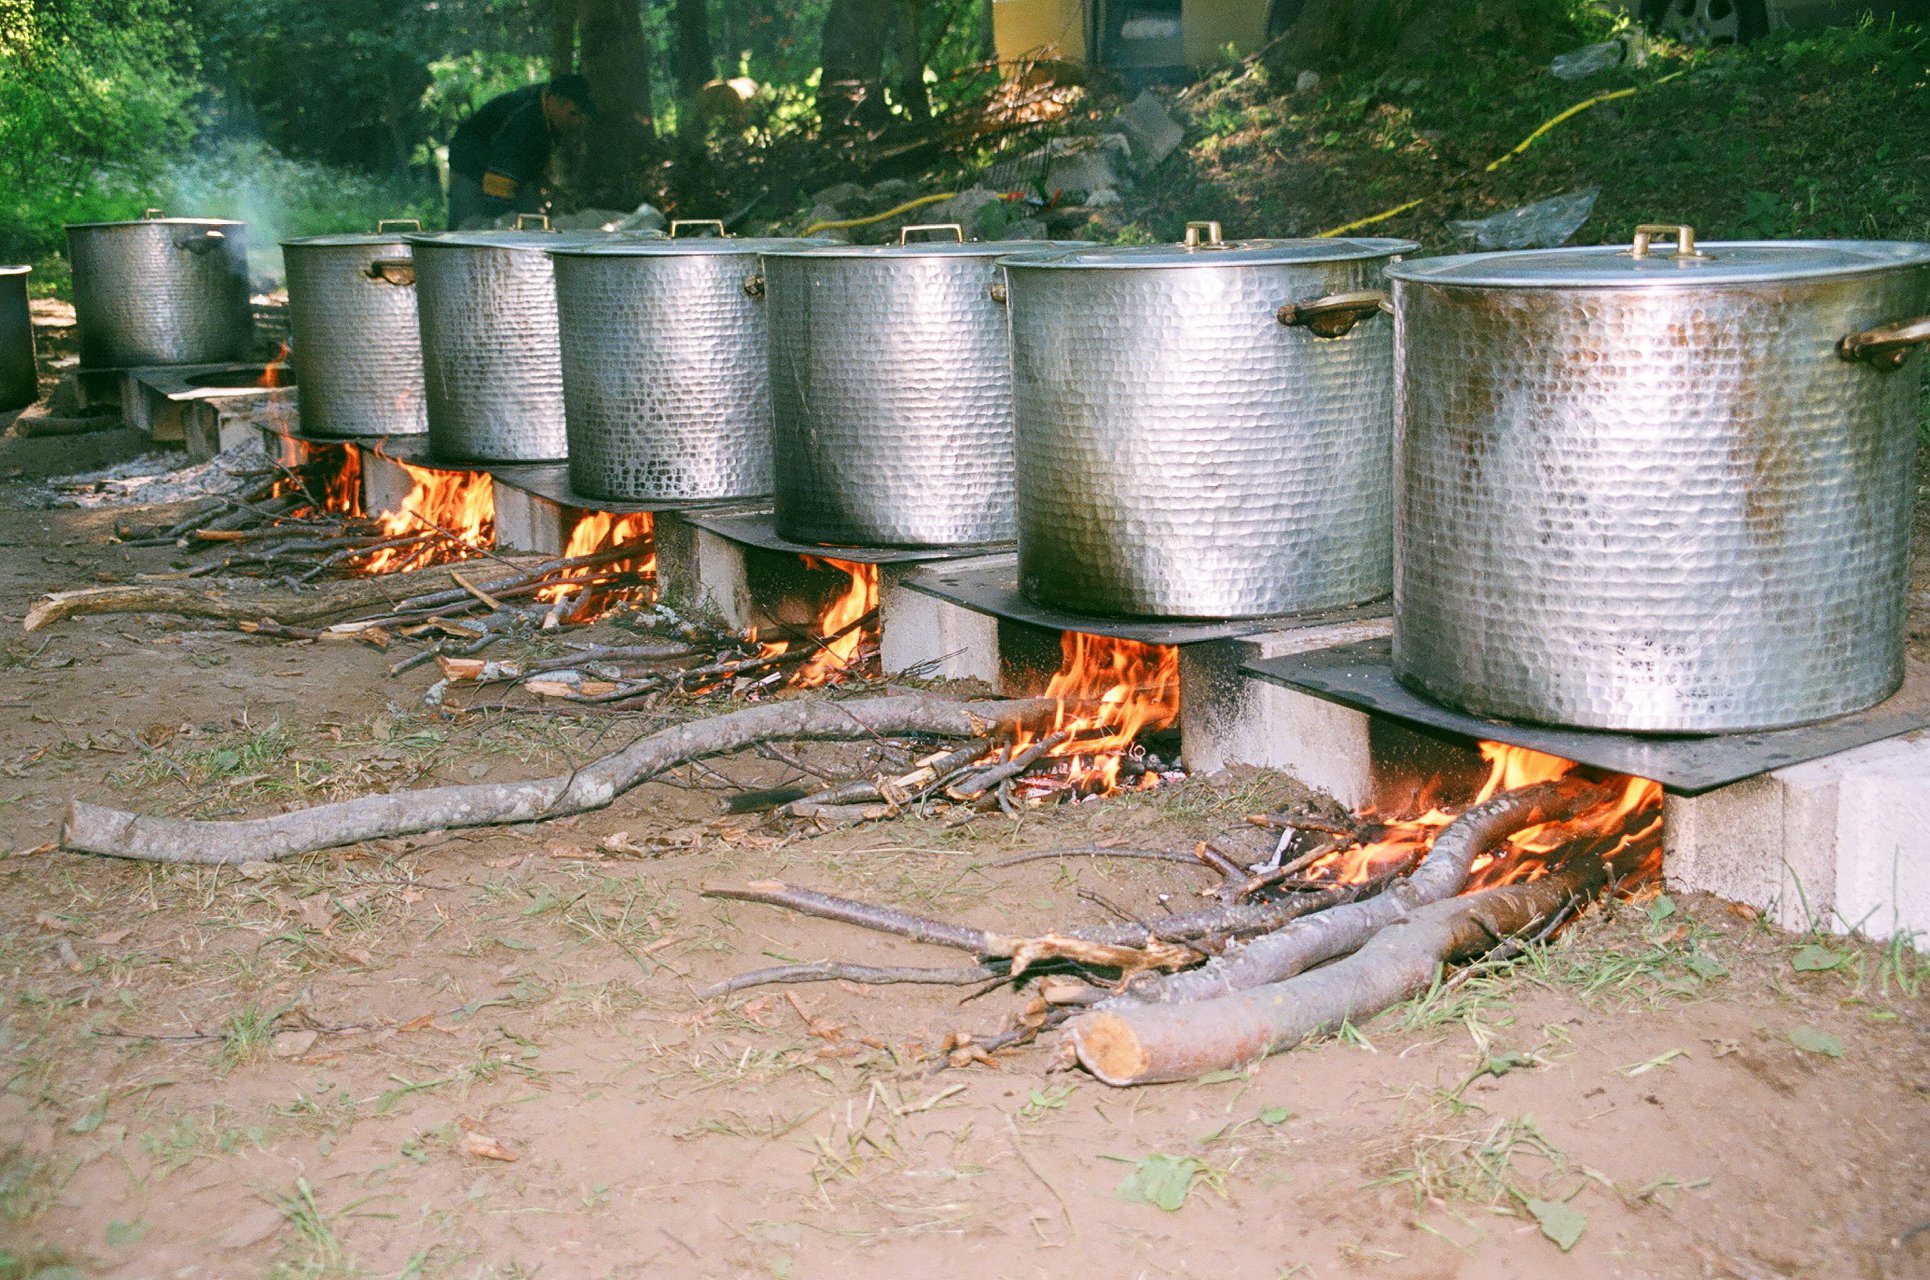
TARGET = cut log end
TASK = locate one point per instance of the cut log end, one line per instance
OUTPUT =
(1108, 1047)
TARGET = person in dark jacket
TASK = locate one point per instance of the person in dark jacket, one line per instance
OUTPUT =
(498, 155)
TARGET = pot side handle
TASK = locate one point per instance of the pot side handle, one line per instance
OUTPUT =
(1888, 346)
(205, 240)
(383, 224)
(396, 271)
(1335, 315)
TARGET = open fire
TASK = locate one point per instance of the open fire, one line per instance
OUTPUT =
(624, 567)
(1109, 692)
(845, 632)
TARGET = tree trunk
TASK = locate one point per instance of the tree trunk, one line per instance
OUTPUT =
(857, 36)
(694, 65)
(562, 37)
(911, 63)
(618, 142)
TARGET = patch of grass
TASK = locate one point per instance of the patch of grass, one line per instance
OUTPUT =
(247, 1035)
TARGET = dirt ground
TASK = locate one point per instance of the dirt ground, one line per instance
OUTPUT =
(315, 1068)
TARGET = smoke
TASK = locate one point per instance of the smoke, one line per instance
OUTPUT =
(280, 197)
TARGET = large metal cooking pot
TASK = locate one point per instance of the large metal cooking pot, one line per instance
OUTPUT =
(666, 380)
(160, 291)
(352, 322)
(891, 391)
(1204, 430)
(492, 369)
(19, 379)
(1660, 488)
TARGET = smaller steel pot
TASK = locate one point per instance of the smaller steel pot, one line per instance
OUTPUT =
(352, 325)
(19, 377)
(491, 360)
(161, 291)
(666, 376)
(891, 390)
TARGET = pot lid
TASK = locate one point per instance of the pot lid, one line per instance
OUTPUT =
(160, 222)
(1217, 253)
(509, 239)
(14, 271)
(920, 249)
(344, 240)
(666, 248)
(1668, 258)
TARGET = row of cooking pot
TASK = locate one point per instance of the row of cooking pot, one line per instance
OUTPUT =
(1665, 487)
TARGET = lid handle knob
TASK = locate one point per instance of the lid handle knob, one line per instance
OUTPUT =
(523, 220)
(677, 224)
(1202, 235)
(1684, 239)
(958, 232)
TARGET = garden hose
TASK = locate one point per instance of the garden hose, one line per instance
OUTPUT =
(906, 207)
(1519, 148)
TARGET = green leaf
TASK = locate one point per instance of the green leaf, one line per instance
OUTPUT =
(121, 1234)
(1810, 1040)
(1274, 1116)
(1222, 1076)
(1160, 1180)
(1562, 1223)
(89, 1122)
(1661, 909)
(1706, 966)
(1813, 959)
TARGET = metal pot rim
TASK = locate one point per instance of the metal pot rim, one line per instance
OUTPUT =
(158, 222)
(1611, 266)
(710, 246)
(923, 249)
(14, 271)
(1230, 253)
(537, 240)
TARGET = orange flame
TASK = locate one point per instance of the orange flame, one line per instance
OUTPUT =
(840, 641)
(598, 531)
(1108, 692)
(461, 504)
(271, 374)
(1625, 829)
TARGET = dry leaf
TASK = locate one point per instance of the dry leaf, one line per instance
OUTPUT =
(485, 1147)
(293, 1044)
(51, 922)
(70, 957)
(113, 937)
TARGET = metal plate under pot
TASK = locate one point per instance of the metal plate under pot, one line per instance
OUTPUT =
(1657, 489)
(891, 391)
(352, 326)
(1204, 430)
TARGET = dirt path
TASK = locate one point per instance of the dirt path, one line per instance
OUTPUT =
(301, 1070)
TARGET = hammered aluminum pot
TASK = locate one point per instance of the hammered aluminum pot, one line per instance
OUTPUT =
(161, 291)
(352, 326)
(891, 393)
(19, 378)
(1657, 489)
(491, 363)
(1204, 430)
(666, 378)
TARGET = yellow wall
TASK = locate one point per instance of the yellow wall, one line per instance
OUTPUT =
(1207, 26)
(1021, 28)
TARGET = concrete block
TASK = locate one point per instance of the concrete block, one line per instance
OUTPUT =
(1840, 843)
(528, 521)
(936, 638)
(1227, 717)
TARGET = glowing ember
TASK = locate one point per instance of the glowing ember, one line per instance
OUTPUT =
(460, 505)
(1623, 830)
(1108, 692)
(841, 640)
(615, 580)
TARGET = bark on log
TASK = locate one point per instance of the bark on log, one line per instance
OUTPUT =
(1312, 939)
(282, 606)
(94, 829)
(1124, 1044)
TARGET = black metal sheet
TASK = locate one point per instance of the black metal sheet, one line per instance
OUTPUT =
(759, 529)
(991, 585)
(1361, 676)
(551, 480)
